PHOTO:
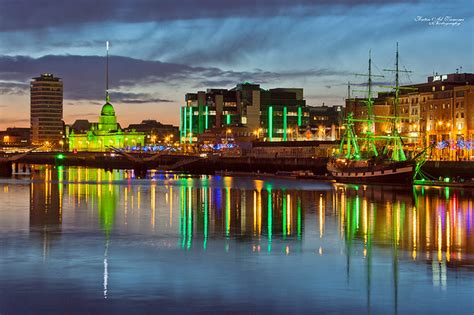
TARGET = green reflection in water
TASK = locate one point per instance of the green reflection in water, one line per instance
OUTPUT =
(182, 222)
(107, 202)
(190, 219)
(206, 216)
(284, 215)
(270, 218)
(298, 206)
(227, 212)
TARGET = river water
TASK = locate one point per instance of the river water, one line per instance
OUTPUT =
(77, 240)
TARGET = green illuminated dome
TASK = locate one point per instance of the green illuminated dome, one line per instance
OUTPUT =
(107, 110)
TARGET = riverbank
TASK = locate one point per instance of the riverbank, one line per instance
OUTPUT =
(192, 164)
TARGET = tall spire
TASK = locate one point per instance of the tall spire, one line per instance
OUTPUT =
(107, 97)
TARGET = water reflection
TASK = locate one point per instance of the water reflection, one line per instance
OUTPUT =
(377, 236)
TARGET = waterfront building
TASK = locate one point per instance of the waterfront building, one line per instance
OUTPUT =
(294, 149)
(80, 126)
(46, 110)
(155, 131)
(105, 133)
(439, 112)
(270, 114)
(13, 136)
(325, 122)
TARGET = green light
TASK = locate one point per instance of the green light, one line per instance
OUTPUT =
(270, 219)
(283, 203)
(60, 156)
(207, 118)
(190, 125)
(270, 123)
(227, 212)
(446, 180)
(206, 217)
(60, 175)
(182, 223)
(285, 123)
(190, 218)
(298, 205)
(185, 119)
(228, 119)
(357, 208)
(300, 114)
(106, 206)
(182, 129)
(446, 192)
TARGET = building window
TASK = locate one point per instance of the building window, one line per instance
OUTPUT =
(462, 115)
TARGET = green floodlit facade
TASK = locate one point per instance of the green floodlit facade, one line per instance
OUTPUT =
(104, 134)
(275, 114)
(278, 123)
(282, 122)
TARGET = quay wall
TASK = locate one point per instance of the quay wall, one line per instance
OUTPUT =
(209, 165)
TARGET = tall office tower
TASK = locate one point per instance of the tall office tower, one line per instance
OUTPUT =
(46, 110)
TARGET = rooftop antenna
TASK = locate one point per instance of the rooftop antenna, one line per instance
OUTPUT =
(107, 97)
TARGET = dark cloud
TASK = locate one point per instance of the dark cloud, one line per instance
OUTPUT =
(13, 88)
(138, 98)
(142, 101)
(13, 121)
(27, 14)
(80, 115)
(84, 76)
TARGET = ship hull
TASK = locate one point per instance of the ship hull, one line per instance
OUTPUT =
(392, 174)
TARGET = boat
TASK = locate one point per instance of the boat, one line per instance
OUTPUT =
(368, 158)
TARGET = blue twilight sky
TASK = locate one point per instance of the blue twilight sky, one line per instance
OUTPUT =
(162, 49)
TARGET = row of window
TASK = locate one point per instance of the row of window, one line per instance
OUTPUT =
(443, 117)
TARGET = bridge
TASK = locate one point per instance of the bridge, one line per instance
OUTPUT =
(7, 160)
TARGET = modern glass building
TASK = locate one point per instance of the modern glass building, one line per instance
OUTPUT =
(273, 115)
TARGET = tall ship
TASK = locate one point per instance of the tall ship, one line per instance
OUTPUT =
(370, 158)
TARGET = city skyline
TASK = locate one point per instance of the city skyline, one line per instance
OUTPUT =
(159, 52)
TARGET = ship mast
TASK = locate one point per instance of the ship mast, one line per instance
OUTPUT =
(396, 141)
(370, 113)
(349, 138)
(369, 130)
